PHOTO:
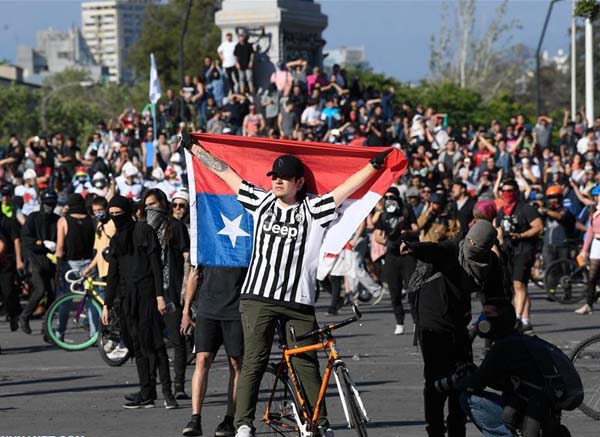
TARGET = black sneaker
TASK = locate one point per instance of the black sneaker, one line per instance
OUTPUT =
(180, 393)
(132, 397)
(170, 402)
(527, 328)
(225, 428)
(24, 323)
(137, 404)
(193, 428)
(14, 323)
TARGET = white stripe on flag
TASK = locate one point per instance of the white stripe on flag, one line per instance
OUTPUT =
(350, 214)
(189, 163)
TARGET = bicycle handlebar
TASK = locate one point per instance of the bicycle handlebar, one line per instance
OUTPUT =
(326, 329)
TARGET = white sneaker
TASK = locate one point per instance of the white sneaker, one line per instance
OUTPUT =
(378, 295)
(399, 330)
(244, 431)
(586, 309)
(328, 433)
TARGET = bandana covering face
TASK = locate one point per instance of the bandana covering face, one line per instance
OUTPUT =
(474, 250)
(510, 200)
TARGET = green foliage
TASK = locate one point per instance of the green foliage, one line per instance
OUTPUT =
(160, 35)
(463, 105)
(587, 9)
(19, 110)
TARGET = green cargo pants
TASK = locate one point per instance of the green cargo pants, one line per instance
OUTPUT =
(259, 320)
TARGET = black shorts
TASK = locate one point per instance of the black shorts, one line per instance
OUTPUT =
(521, 267)
(210, 334)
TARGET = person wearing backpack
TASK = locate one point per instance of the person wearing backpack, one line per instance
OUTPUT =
(535, 378)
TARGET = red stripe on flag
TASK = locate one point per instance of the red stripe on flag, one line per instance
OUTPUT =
(326, 165)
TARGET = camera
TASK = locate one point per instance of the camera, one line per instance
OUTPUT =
(449, 382)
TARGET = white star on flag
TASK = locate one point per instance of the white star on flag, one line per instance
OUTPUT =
(233, 229)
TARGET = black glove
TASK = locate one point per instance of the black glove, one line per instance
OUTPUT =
(379, 160)
(185, 141)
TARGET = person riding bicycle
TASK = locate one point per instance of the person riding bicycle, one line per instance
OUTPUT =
(535, 379)
(287, 217)
(591, 251)
(453, 271)
(519, 225)
(39, 239)
(559, 224)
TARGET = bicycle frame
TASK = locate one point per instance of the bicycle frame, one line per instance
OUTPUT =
(326, 342)
(89, 289)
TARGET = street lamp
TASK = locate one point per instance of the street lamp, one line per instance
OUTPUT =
(82, 84)
(538, 98)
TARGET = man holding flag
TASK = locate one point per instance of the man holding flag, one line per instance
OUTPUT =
(289, 227)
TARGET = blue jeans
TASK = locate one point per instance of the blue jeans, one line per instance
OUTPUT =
(63, 312)
(485, 411)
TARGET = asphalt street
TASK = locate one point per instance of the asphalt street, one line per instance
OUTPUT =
(48, 391)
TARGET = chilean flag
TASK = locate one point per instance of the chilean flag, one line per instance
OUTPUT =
(221, 229)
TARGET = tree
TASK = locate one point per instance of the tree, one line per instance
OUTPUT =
(163, 24)
(487, 62)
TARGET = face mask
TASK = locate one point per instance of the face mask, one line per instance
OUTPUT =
(48, 209)
(509, 196)
(7, 210)
(155, 216)
(101, 216)
(391, 206)
(121, 221)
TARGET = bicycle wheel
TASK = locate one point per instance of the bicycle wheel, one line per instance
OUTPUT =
(277, 400)
(586, 359)
(565, 281)
(68, 321)
(110, 344)
(354, 406)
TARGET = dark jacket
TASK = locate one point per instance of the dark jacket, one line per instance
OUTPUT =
(39, 226)
(443, 299)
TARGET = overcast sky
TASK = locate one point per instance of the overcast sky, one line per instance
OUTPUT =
(394, 33)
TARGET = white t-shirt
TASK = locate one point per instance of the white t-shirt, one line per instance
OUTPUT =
(227, 48)
(31, 202)
(582, 145)
(132, 192)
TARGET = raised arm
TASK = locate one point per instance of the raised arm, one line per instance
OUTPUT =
(214, 164)
(358, 179)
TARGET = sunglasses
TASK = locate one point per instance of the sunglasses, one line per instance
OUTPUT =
(179, 205)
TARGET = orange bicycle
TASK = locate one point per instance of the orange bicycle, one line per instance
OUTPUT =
(286, 411)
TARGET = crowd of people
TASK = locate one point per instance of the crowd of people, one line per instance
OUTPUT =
(117, 207)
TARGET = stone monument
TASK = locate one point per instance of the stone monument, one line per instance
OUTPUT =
(279, 30)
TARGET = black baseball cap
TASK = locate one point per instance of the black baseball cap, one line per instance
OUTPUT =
(287, 166)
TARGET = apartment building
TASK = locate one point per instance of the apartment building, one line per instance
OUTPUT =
(110, 28)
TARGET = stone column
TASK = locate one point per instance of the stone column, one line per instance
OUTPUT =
(279, 30)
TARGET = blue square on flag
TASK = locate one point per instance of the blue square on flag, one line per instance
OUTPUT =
(224, 231)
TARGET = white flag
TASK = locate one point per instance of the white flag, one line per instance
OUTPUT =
(154, 82)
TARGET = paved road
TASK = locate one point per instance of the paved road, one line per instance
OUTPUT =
(46, 391)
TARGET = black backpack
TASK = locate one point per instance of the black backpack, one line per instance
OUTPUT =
(562, 382)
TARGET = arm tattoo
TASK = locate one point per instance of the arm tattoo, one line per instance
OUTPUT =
(211, 162)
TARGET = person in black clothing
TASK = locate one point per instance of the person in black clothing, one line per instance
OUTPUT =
(175, 250)
(534, 378)
(135, 277)
(396, 223)
(453, 271)
(11, 261)
(519, 225)
(244, 59)
(462, 205)
(75, 234)
(39, 239)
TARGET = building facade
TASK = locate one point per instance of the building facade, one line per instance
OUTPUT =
(57, 51)
(111, 28)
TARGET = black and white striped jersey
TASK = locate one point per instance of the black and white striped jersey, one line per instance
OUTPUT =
(286, 246)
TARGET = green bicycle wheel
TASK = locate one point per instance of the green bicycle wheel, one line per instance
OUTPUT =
(68, 321)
